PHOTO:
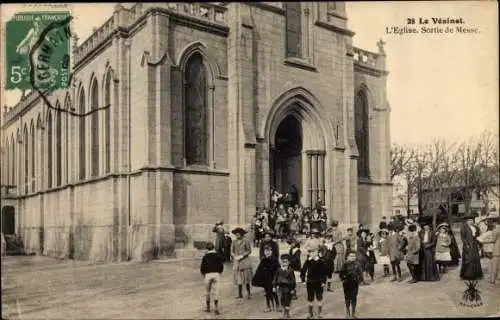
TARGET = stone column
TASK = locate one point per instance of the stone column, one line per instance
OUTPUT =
(262, 172)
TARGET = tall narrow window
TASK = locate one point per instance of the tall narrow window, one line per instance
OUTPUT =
(362, 134)
(195, 112)
(107, 124)
(81, 136)
(49, 150)
(6, 162)
(26, 158)
(293, 29)
(33, 159)
(13, 161)
(58, 116)
(94, 125)
(67, 106)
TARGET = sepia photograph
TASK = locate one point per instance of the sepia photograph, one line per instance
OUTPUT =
(250, 160)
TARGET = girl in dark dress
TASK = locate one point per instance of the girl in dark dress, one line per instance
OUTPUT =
(372, 260)
(329, 255)
(264, 276)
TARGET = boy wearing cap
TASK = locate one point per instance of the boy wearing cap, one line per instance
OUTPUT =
(211, 267)
(351, 275)
(315, 270)
(285, 283)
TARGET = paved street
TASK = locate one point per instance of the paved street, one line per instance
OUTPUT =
(37, 287)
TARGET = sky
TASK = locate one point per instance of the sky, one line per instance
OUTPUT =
(439, 85)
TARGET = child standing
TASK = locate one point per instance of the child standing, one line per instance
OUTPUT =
(351, 275)
(372, 260)
(329, 256)
(285, 283)
(443, 255)
(211, 267)
(264, 276)
(384, 251)
(295, 261)
(412, 256)
(314, 269)
(395, 244)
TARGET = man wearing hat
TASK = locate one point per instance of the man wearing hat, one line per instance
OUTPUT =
(220, 238)
(242, 272)
(471, 260)
(312, 244)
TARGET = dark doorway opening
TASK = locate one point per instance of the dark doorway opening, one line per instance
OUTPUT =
(286, 159)
(8, 220)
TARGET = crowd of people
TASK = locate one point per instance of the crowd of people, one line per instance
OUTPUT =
(324, 255)
(287, 218)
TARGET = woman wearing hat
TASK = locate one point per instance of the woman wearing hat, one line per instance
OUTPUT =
(243, 273)
(268, 241)
(338, 242)
(427, 265)
(471, 261)
(443, 242)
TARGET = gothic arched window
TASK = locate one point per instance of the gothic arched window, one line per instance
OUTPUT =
(293, 29)
(107, 123)
(94, 125)
(68, 122)
(58, 116)
(81, 136)
(195, 111)
(12, 161)
(33, 159)
(26, 158)
(362, 133)
(49, 150)
(6, 163)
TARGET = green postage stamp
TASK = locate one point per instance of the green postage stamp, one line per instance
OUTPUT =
(37, 51)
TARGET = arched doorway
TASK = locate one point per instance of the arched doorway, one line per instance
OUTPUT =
(8, 220)
(286, 158)
(298, 139)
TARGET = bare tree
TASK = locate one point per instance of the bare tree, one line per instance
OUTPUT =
(488, 181)
(478, 168)
(403, 166)
(401, 157)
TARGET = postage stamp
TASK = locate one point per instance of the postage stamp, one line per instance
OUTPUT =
(38, 51)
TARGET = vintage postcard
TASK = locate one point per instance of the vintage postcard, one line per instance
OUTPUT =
(241, 160)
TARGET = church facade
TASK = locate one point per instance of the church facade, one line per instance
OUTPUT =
(181, 114)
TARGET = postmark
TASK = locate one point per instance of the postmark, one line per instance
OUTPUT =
(38, 51)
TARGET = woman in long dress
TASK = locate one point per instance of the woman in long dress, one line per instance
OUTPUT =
(471, 260)
(427, 265)
(242, 271)
(338, 242)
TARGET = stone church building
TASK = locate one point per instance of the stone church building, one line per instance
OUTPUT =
(182, 114)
